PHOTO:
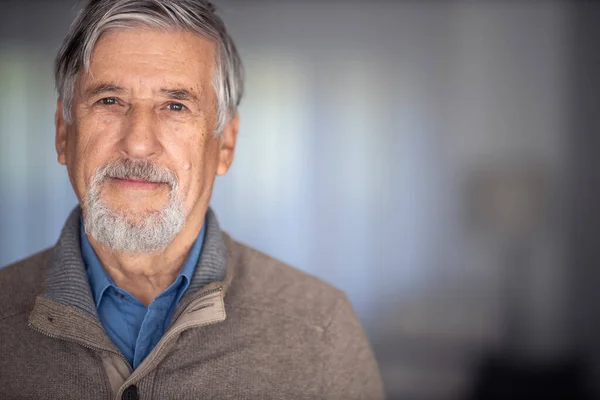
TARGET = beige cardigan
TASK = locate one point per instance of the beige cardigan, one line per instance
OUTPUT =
(259, 330)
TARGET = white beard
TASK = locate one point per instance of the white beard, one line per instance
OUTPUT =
(118, 232)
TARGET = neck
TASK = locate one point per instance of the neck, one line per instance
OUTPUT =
(146, 275)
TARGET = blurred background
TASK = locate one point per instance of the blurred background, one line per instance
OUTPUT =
(436, 160)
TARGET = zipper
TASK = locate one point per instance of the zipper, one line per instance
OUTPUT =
(161, 344)
(190, 301)
(80, 343)
(167, 338)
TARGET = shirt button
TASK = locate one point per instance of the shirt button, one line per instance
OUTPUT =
(130, 393)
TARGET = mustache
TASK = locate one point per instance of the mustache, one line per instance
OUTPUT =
(137, 169)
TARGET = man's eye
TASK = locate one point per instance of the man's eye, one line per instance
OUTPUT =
(176, 107)
(108, 101)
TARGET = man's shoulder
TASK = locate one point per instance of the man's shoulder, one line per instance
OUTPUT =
(20, 283)
(262, 282)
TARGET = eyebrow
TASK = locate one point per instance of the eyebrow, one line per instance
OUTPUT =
(179, 94)
(101, 88)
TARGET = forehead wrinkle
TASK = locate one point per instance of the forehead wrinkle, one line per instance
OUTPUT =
(179, 81)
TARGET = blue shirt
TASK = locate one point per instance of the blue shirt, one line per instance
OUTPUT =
(134, 328)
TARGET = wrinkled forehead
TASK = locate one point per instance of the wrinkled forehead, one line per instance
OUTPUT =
(144, 57)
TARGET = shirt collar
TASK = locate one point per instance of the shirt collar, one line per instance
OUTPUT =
(100, 280)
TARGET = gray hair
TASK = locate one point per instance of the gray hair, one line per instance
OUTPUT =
(196, 16)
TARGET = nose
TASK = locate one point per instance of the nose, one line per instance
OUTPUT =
(140, 138)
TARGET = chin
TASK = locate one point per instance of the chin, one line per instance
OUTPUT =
(135, 229)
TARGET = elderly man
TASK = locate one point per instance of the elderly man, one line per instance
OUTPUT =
(143, 296)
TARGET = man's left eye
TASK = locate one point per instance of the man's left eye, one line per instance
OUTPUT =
(176, 107)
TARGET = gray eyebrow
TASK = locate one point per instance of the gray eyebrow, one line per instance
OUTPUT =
(175, 94)
(179, 94)
(101, 88)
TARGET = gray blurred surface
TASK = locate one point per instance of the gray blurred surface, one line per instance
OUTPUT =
(419, 155)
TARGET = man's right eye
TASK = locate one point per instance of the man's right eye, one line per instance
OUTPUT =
(108, 101)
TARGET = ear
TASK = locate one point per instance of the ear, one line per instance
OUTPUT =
(61, 133)
(227, 145)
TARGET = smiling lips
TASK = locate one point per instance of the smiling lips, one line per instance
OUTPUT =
(135, 183)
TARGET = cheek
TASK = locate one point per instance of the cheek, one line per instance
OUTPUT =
(90, 148)
(197, 168)
(76, 156)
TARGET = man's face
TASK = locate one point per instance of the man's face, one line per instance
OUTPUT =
(146, 100)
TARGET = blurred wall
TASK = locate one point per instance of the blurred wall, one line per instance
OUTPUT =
(374, 139)
(584, 185)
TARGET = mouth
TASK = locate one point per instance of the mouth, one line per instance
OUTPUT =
(136, 183)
